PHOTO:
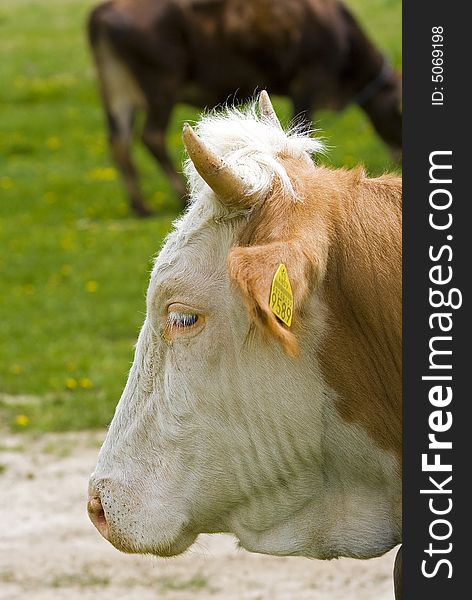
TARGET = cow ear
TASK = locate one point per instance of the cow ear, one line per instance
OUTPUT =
(252, 269)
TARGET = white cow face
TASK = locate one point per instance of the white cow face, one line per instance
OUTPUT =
(216, 424)
(220, 428)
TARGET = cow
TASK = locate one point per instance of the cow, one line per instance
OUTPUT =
(286, 434)
(152, 54)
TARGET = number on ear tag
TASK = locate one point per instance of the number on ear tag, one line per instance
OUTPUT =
(281, 297)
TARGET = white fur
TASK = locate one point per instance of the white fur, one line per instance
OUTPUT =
(251, 144)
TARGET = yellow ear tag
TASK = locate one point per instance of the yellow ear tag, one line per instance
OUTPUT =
(281, 297)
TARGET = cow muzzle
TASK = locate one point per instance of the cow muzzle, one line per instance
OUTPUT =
(97, 515)
(134, 522)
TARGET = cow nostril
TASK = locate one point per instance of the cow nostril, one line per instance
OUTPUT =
(97, 515)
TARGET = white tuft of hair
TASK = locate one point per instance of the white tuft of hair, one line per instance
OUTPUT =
(250, 143)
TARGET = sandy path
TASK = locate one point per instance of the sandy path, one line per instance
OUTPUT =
(50, 551)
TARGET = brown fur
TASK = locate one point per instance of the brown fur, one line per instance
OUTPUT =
(343, 238)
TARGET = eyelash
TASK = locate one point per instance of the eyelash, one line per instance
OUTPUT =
(178, 320)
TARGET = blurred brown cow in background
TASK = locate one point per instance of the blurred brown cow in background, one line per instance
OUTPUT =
(152, 54)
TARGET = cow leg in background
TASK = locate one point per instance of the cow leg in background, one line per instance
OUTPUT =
(397, 575)
(153, 137)
(307, 93)
(121, 98)
(120, 137)
(302, 102)
(159, 88)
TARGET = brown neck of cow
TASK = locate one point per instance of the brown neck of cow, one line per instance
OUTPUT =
(349, 227)
(368, 80)
(361, 355)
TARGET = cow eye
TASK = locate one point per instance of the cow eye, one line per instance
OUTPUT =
(180, 320)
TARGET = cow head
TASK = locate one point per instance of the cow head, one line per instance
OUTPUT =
(223, 423)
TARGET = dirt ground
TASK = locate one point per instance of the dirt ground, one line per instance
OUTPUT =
(50, 551)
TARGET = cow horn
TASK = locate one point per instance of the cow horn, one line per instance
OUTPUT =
(222, 179)
(267, 110)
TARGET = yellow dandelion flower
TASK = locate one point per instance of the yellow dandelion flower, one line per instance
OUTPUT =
(71, 383)
(91, 287)
(66, 243)
(102, 174)
(21, 420)
(6, 183)
(53, 143)
(19, 81)
(85, 383)
(29, 289)
(16, 369)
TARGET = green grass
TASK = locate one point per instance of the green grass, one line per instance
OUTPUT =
(73, 263)
(195, 583)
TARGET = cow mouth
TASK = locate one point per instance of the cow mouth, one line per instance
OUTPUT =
(176, 547)
(163, 549)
